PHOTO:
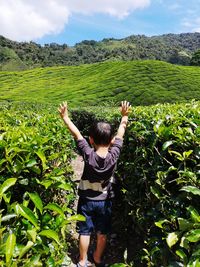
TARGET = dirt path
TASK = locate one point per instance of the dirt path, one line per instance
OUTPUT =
(115, 249)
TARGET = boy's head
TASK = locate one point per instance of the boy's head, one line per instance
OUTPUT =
(101, 133)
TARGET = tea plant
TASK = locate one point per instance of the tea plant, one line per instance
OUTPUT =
(36, 190)
(159, 170)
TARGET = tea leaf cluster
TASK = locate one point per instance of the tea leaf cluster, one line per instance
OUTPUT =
(36, 190)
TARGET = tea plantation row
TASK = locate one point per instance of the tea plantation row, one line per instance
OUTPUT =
(140, 82)
(36, 191)
(158, 212)
(159, 170)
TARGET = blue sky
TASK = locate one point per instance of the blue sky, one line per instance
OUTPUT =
(71, 21)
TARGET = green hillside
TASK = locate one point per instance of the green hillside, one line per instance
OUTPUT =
(10, 61)
(141, 82)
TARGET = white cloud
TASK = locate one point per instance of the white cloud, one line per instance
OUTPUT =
(25, 20)
(191, 24)
(118, 8)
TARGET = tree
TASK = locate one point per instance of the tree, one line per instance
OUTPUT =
(195, 60)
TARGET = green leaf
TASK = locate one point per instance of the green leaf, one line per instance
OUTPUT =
(32, 234)
(194, 214)
(191, 189)
(155, 191)
(194, 263)
(2, 250)
(24, 181)
(160, 223)
(42, 157)
(46, 183)
(35, 169)
(2, 230)
(26, 249)
(18, 249)
(50, 234)
(55, 207)
(2, 161)
(34, 262)
(184, 224)
(172, 239)
(46, 218)
(193, 236)
(17, 166)
(8, 217)
(27, 213)
(59, 220)
(179, 156)
(7, 196)
(181, 254)
(31, 163)
(50, 262)
(65, 186)
(185, 243)
(186, 154)
(6, 185)
(10, 246)
(37, 201)
(68, 210)
(77, 217)
(167, 144)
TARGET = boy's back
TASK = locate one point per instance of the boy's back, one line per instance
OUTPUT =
(98, 175)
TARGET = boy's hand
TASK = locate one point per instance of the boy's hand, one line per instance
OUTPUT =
(125, 108)
(70, 125)
(63, 110)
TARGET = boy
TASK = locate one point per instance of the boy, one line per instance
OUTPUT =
(95, 188)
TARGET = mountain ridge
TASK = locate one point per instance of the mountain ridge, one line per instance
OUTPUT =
(172, 48)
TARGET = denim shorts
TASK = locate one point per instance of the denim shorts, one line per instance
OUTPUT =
(97, 214)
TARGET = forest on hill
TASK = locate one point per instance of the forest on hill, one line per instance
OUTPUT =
(172, 48)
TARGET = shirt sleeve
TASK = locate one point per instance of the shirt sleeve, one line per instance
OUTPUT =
(116, 148)
(83, 147)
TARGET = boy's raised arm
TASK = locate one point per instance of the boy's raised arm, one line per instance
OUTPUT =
(125, 109)
(70, 125)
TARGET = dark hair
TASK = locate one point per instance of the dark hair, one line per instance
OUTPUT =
(102, 133)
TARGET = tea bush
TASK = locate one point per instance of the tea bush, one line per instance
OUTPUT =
(159, 170)
(36, 190)
(143, 82)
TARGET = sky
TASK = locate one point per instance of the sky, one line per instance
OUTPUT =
(72, 21)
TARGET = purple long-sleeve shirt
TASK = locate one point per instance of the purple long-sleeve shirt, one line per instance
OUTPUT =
(98, 174)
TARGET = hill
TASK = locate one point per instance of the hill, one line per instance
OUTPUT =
(141, 82)
(173, 48)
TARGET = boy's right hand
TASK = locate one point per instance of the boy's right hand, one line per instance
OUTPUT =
(63, 110)
(125, 108)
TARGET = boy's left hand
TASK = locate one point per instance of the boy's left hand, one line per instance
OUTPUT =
(63, 110)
